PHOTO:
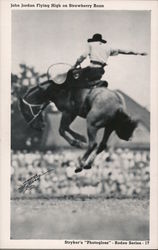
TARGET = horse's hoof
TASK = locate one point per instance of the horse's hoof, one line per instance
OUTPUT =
(83, 139)
(87, 167)
(77, 170)
(77, 144)
(81, 163)
(108, 159)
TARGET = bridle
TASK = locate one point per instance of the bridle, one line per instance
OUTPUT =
(30, 106)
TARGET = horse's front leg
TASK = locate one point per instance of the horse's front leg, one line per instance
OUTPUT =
(76, 135)
(65, 122)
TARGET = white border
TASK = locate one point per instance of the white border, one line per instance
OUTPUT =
(5, 63)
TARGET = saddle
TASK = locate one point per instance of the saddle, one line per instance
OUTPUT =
(65, 77)
(79, 78)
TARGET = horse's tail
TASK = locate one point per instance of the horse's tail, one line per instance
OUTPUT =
(124, 125)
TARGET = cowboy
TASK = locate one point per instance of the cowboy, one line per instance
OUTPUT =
(99, 52)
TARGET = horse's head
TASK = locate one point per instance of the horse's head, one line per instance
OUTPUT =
(124, 125)
(32, 114)
(32, 104)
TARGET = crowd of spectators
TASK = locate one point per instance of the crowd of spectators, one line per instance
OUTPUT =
(119, 172)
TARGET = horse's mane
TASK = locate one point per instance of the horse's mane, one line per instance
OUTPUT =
(37, 87)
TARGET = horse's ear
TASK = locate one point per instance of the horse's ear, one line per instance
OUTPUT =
(20, 103)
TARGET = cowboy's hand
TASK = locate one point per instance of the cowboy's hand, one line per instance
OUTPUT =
(77, 65)
(143, 54)
(73, 67)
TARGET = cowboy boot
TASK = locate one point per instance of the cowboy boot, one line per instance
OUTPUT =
(101, 83)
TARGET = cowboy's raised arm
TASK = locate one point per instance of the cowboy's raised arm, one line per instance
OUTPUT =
(130, 52)
(82, 57)
(79, 60)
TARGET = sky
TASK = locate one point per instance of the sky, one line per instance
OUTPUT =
(44, 37)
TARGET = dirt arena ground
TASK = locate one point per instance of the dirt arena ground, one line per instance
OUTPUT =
(100, 219)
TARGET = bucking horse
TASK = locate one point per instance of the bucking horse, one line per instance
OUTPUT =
(100, 106)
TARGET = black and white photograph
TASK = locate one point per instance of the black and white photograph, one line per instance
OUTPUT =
(80, 124)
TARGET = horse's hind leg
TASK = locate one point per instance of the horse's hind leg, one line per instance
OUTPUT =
(92, 132)
(103, 144)
(90, 159)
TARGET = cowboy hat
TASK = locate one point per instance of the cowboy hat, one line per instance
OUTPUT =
(96, 38)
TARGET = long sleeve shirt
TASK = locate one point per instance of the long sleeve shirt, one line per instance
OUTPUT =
(98, 51)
